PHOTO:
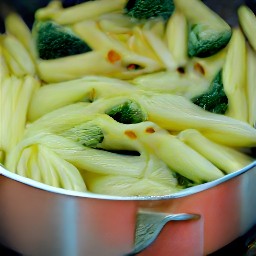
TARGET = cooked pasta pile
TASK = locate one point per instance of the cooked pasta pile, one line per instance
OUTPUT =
(126, 98)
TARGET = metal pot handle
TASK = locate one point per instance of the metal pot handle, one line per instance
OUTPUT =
(149, 225)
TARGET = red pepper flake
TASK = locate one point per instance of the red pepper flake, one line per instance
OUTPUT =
(150, 130)
(113, 56)
(199, 68)
(133, 67)
(130, 134)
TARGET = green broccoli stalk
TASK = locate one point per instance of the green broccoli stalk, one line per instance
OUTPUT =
(146, 9)
(54, 41)
(87, 134)
(208, 32)
(129, 112)
(215, 99)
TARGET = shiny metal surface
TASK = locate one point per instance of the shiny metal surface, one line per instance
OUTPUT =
(150, 224)
(36, 219)
(37, 222)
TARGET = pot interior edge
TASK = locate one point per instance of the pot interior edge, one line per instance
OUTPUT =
(182, 193)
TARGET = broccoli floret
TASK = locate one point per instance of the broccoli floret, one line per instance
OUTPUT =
(129, 112)
(87, 134)
(215, 99)
(145, 9)
(208, 32)
(54, 41)
(205, 41)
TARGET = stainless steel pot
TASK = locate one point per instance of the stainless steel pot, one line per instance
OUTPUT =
(36, 219)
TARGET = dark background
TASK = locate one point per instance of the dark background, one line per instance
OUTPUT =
(226, 9)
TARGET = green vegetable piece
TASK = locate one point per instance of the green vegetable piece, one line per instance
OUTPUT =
(183, 181)
(204, 42)
(215, 99)
(145, 9)
(128, 112)
(86, 134)
(54, 41)
(208, 32)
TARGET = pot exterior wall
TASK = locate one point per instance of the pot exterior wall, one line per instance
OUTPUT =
(38, 222)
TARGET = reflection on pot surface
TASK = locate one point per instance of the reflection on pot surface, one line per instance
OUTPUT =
(126, 127)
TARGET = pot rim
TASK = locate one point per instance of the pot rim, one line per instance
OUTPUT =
(185, 192)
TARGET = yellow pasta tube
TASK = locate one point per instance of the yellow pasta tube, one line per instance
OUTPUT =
(176, 113)
(225, 158)
(13, 66)
(177, 37)
(16, 26)
(234, 76)
(73, 67)
(19, 53)
(247, 21)
(251, 86)
(181, 158)
(160, 49)
(77, 13)
(4, 70)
